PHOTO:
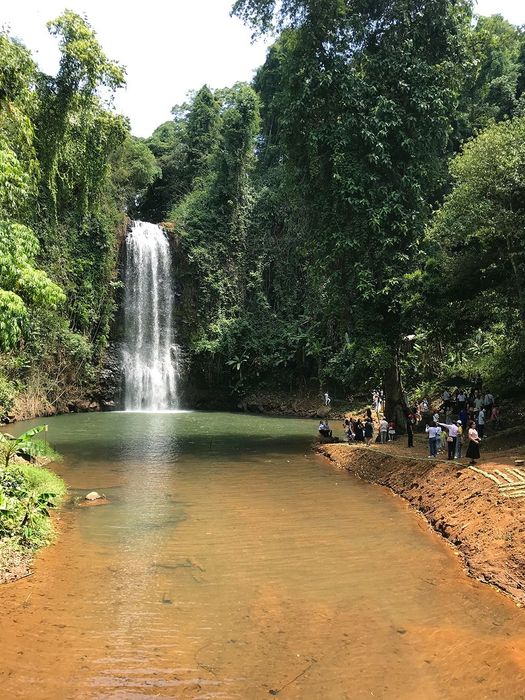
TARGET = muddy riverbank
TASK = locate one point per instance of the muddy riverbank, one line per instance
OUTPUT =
(481, 520)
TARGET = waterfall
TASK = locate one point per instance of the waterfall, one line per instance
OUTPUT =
(150, 365)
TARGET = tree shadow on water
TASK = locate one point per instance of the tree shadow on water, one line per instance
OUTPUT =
(150, 448)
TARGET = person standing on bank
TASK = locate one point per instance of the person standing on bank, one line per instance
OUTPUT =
(410, 431)
(369, 431)
(462, 400)
(383, 430)
(452, 430)
(473, 444)
(488, 403)
(463, 417)
(446, 401)
(459, 440)
(433, 436)
(481, 423)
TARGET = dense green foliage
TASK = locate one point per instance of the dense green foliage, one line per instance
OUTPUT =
(68, 171)
(494, 70)
(480, 231)
(26, 492)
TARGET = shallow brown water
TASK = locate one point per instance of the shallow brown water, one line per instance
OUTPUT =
(233, 564)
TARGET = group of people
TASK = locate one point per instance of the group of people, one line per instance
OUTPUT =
(357, 430)
(451, 436)
(473, 409)
(477, 406)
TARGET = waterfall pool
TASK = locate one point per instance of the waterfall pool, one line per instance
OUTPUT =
(233, 563)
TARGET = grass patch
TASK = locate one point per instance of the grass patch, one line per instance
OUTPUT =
(27, 494)
(43, 452)
(42, 480)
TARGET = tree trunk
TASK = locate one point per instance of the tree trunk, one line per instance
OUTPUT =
(395, 405)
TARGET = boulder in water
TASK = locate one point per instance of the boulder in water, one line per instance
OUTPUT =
(93, 496)
(93, 499)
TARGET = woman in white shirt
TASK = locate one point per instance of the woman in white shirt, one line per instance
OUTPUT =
(473, 444)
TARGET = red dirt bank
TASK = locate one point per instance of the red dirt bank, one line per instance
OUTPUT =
(466, 508)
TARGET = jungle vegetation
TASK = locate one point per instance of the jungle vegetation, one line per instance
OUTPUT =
(355, 217)
(69, 169)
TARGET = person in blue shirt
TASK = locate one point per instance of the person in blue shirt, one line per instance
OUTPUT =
(463, 417)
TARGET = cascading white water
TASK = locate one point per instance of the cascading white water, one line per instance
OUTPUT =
(150, 363)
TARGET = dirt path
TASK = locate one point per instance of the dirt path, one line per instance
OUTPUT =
(481, 519)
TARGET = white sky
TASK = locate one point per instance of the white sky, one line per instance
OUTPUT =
(168, 46)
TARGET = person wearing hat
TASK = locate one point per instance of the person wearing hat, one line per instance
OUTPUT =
(459, 440)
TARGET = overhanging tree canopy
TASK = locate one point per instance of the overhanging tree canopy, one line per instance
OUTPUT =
(368, 93)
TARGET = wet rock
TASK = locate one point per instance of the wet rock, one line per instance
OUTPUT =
(93, 496)
(101, 501)
(78, 406)
(7, 418)
(83, 406)
(109, 376)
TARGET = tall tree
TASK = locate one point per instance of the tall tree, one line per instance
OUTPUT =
(75, 134)
(22, 283)
(491, 86)
(481, 227)
(368, 93)
(213, 220)
(168, 145)
(202, 132)
(184, 149)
